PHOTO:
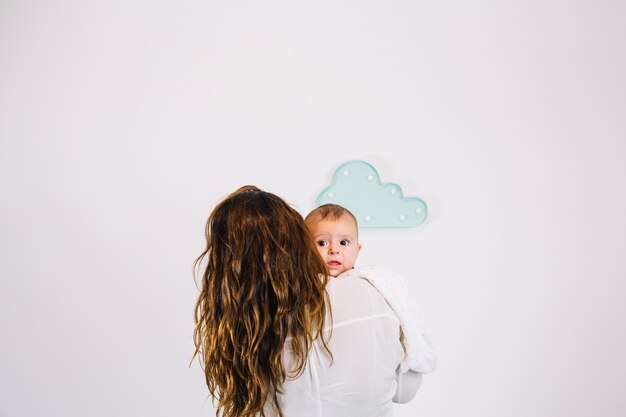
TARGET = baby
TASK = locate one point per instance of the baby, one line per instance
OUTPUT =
(335, 232)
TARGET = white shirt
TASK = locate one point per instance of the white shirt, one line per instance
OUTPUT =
(417, 336)
(363, 377)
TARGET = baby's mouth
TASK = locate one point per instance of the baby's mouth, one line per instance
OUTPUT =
(333, 263)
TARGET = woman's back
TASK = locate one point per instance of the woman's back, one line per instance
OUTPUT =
(261, 282)
(360, 380)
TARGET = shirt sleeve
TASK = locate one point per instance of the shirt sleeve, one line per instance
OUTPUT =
(408, 384)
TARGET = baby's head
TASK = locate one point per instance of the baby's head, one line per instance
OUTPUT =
(335, 232)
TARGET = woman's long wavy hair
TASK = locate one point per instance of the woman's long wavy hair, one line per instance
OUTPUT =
(264, 282)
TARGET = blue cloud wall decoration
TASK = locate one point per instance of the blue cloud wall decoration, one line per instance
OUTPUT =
(357, 187)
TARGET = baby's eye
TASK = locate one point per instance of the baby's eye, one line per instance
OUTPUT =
(344, 242)
(322, 243)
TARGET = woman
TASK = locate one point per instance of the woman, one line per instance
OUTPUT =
(265, 335)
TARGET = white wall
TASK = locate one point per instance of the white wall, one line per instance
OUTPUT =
(123, 122)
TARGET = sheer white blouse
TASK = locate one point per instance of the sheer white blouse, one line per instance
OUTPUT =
(363, 377)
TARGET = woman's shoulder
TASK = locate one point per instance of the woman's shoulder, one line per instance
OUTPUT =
(350, 284)
(352, 296)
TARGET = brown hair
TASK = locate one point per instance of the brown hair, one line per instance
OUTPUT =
(264, 281)
(334, 211)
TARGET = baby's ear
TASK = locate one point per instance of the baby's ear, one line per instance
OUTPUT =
(360, 247)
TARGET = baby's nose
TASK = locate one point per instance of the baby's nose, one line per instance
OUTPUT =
(333, 249)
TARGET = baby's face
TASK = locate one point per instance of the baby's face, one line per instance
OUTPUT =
(337, 242)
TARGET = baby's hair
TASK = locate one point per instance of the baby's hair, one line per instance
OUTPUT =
(334, 211)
